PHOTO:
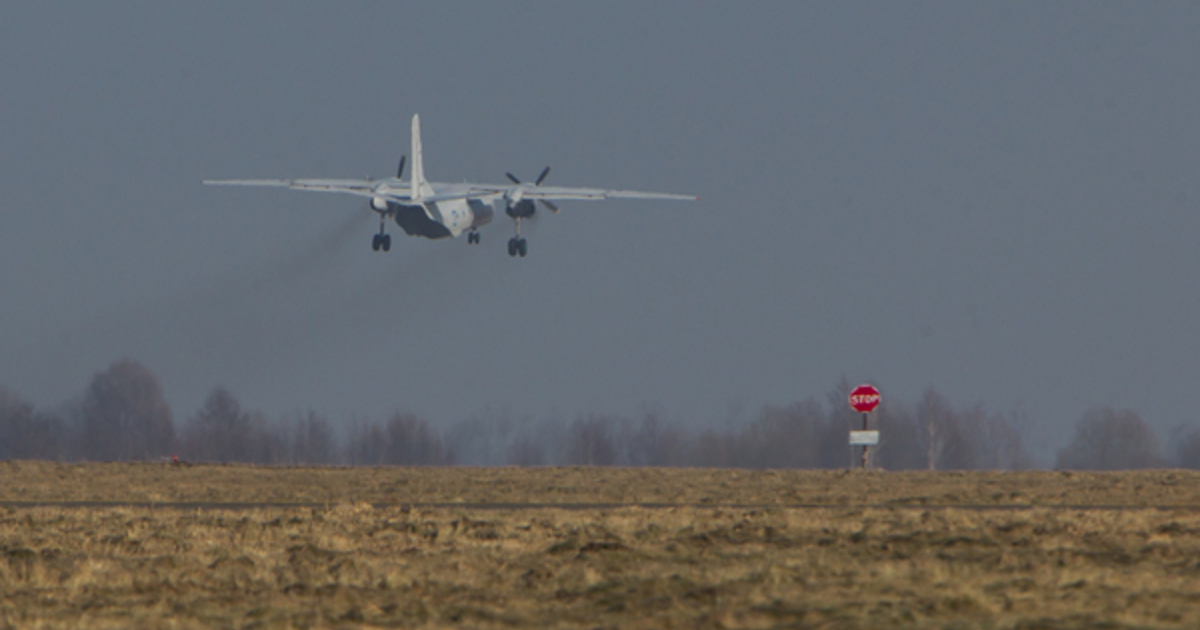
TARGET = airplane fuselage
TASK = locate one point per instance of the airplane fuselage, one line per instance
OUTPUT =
(441, 219)
(433, 219)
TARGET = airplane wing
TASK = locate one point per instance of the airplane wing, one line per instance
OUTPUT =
(556, 193)
(400, 193)
(359, 187)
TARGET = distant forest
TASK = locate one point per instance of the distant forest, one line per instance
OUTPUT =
(123, 416)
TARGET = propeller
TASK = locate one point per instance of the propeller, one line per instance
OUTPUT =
(538, 182)
(399, 170)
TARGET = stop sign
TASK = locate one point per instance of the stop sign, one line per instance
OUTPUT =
(864, 398)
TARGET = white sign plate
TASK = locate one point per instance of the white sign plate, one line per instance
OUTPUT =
(864, 438)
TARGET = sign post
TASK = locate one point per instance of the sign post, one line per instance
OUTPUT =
(864, 399)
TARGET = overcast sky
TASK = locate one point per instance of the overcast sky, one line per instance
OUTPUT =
(997, 200)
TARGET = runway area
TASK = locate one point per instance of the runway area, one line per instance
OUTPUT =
(156, 545)
(277, 505)
(157, 484)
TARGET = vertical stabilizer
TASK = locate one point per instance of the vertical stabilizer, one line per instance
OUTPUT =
(418, 167)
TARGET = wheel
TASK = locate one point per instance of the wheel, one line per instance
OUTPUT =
(387, 242)
(375, 243)
(521, 249)
(512, 247)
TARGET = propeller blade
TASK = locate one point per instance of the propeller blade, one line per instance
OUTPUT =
(553, 208)
(542, 176)
(513, 178)
(400, 171)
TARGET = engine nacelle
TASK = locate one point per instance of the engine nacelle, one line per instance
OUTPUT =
(482, 212)
(379, 204)
(522, 209)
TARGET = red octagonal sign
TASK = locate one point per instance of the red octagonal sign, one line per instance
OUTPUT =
(864, 398)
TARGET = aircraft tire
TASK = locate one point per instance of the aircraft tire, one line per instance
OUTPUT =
(375, 244)
(387, 242)
(512, 247)
(521, 248)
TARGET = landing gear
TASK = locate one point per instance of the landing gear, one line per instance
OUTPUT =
(516, 244)
(472, 238)
(381, 242)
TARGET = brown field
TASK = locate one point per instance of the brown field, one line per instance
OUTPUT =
(153, 545)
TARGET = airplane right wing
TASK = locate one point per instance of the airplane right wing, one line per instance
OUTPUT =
(564, 193)
(556, 193)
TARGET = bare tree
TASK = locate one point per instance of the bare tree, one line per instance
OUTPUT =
(366, 444)
(526, 452)
(1107, 439)
(835, 442)
(592, 442)
(656, 443)
(405, 440)
(782, 437)
(222, 432)
(124, 415)
(308, 439)
(996, 441)
(716, 450)
(936, 416)
(26, 434)
(901, 446)
(1187, 448)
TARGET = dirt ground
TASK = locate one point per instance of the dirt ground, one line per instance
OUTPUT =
(424, 548)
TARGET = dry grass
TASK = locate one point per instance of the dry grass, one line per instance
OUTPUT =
(353, 565)
(150, 483)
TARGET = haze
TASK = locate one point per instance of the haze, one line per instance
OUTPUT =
(996, 200)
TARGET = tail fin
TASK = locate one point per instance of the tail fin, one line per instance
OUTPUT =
(418, 165)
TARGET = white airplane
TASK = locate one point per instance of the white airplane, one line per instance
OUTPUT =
(438, 210)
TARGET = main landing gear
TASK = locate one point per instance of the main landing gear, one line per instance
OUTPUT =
(516, 244)
(381, 240)
(472, 238)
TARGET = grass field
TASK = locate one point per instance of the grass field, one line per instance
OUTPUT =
(628, 548)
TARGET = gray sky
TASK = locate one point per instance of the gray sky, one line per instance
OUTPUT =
(996, 200)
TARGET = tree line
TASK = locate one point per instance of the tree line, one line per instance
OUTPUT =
(123, 416)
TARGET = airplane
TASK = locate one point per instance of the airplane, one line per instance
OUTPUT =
(437, 210)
